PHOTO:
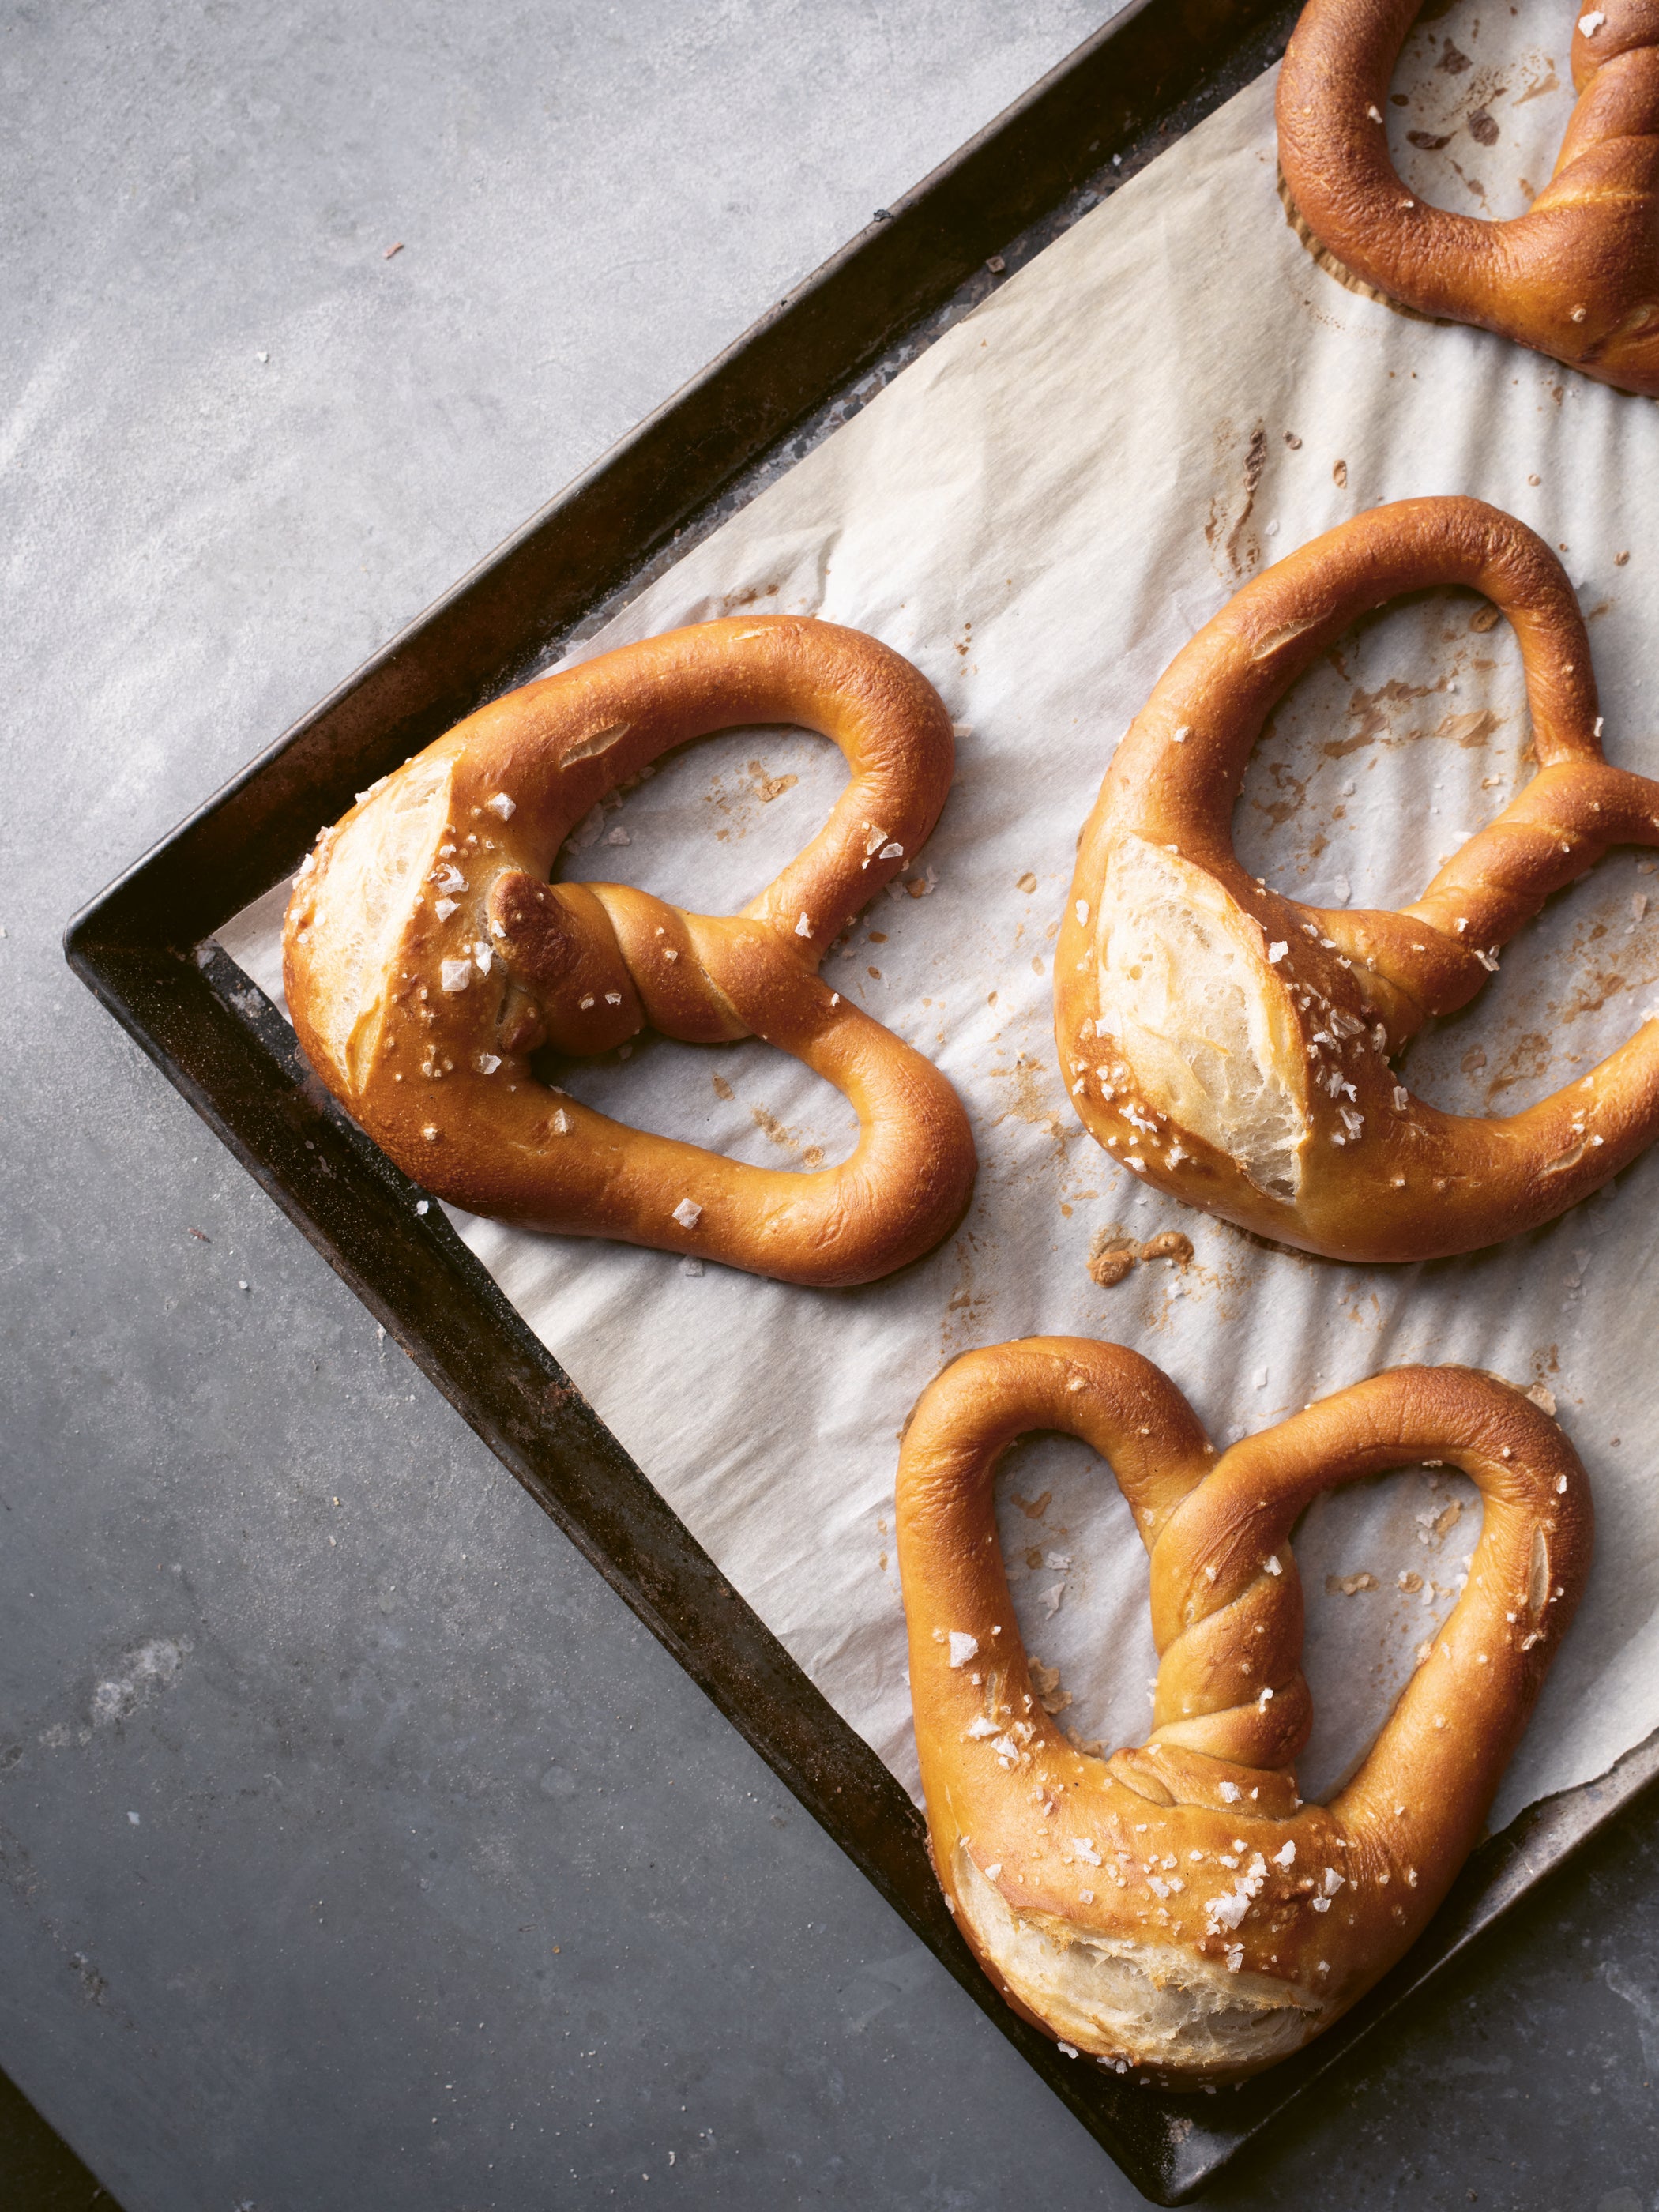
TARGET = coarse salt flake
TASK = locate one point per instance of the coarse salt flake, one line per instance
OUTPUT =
(455, 975)
(1277, 950)
(501, 805)
(443, 908)
(1590, 24)
(687, 1212)
(1082, 911)
(803, 928)
(963, 1647)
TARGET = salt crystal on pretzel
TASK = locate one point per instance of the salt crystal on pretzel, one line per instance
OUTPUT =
(424, 1017)
(1576, 277)
(1253, 1036)
(1286, 1912)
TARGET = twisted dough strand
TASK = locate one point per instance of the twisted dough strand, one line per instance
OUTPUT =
(1576, 277)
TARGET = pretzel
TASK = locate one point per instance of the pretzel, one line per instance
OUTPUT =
(1576, 277)
(1232, 1046)
(427, 956)
(1178, 1907)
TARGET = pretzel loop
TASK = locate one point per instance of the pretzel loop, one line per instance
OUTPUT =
(427, 956)
(1177, 1904)
(1576, 277)
(1233, 1045)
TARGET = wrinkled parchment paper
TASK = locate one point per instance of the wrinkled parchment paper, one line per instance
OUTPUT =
(1040, 512)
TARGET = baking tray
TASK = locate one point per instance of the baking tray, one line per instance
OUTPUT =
(145, 948)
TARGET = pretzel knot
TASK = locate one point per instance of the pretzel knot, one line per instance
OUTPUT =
(1178, 1906)
(1577, 277)
(427, 956)
(1233, 1046)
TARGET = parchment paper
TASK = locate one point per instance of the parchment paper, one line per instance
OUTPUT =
(1040, 512)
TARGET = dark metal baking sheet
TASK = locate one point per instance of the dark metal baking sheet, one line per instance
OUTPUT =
(143, 947)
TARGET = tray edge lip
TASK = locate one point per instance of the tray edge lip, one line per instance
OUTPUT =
(87, 949)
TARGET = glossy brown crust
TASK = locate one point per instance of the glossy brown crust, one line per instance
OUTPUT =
(1383, 1177)
(1232, 1708)
(426, 956)
(1576, 277)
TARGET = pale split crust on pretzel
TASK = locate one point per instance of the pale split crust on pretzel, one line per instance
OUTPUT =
(1576, 277)
(1177, 1907)
(1232, 1046)
(426, 956)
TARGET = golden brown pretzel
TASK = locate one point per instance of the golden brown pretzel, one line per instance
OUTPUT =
(1178, 1907)
(1577, 277)
(426, 956)
(1232, 1046)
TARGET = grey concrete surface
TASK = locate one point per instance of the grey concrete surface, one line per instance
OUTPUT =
(356, 1847)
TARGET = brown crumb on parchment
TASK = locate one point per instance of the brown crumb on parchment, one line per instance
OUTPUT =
(1112, 1254)
(1045, 1681)
(1169, 1244)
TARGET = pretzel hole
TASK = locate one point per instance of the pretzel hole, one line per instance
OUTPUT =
(1401, 741)
(1098, 1633)
(1381, 1561)
(768, 1111)
(714, 821)
(1571, 987)
(1486, 107)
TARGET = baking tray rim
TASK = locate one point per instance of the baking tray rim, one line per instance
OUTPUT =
(221, 1044)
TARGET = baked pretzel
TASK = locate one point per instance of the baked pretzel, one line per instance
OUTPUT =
(1178, 1907)
(1232, 1046)
(1576, 277)
(427, 955)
